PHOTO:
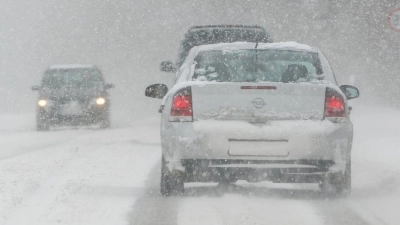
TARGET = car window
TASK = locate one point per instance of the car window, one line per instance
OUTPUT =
(257, 65)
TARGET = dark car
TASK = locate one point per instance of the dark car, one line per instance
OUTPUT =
(213, 34)
(72, 95)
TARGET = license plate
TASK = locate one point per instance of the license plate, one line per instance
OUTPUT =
(72, 108)
(270, 148)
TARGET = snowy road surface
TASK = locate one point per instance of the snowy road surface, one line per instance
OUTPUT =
(89, 176)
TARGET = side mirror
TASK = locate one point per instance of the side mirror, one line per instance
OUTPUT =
(156, 91)
(167, 66)
(35, 88)
(350, 91)
(108, 86)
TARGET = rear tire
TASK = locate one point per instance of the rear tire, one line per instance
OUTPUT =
(171, 184)
(338, 184)
(42, 122)
(105, 124)
(345, 184)
(105, 121)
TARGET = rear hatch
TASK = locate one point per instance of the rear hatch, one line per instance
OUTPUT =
(258, 102)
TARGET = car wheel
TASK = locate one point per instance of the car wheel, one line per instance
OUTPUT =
(344, 186)
(105, 124)
(105, 121)
(338, 184)
(42, 122)
(171, 184)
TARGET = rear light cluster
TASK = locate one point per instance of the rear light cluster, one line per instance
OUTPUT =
(181, 109)
(334, 104)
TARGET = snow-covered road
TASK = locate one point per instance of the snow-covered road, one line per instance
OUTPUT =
(89, 176)
(84, 176)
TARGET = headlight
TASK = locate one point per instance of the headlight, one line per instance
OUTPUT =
(42, 103)
(100, 101)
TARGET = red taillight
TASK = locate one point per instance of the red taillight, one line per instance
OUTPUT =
(182, 106)
(334, 104)
(181, 109)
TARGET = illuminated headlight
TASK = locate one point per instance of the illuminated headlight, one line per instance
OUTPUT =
(100, 101)
(42, 103)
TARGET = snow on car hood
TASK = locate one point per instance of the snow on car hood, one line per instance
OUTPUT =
(73, 93)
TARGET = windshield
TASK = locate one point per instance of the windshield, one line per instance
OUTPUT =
(257, 66)
(78, 78)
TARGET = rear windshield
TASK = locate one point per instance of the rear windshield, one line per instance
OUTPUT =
(225, 35)
(81, 78)
(257, 66)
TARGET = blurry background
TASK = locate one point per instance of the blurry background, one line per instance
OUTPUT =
(127, 39)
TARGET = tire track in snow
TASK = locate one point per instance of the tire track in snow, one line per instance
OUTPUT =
(366, 214)
(335, 212)
(48, 192)
(331, 211)
(15, 151)
(88, 180)
(153, 208)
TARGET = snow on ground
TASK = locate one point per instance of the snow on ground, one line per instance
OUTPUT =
(74, 176)
(375, 164)
(91, 176)
(376, 186)
(23, 122)
(238, 209)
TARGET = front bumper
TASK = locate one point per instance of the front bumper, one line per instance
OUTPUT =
(84, 115)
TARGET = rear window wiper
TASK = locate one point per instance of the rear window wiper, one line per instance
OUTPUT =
(251, 80)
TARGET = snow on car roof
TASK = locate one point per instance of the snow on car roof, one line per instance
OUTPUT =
(71, 66)
(247, 45)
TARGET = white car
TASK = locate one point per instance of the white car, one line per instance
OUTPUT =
(252, 111)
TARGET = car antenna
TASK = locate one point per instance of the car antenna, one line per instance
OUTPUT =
(256, 38)
(256, 49)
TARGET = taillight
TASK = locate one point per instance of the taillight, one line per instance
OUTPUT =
(181, 109)
(334, 104)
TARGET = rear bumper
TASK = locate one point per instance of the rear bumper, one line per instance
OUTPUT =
(307, 141)
(300, 171)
